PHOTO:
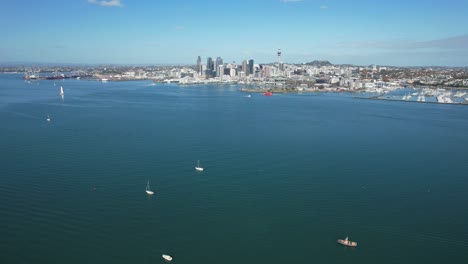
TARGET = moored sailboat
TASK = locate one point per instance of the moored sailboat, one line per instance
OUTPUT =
(198, 168)
(148, 190)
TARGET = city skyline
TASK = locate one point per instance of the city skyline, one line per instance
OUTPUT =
(398, 33)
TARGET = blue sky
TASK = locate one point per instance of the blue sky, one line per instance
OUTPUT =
(406, 33)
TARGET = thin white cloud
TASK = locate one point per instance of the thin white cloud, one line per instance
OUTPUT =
(451, 43)
(323, 7)
(109, 3)
(291, 1)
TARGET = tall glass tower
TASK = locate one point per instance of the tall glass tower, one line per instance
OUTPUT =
(251, 67)
(199, 69)
(209, 66)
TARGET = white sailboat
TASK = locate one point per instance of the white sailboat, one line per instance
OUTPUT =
(148, 191)
(61, 91)
(48, 118)
(198, 168)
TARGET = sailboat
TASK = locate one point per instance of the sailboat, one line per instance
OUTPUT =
(61, 91)
(167, 257)
(148, 191)
(48, 118)
(198, 168)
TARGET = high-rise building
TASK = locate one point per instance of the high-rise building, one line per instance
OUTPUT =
(203, 69)
(209, 64)
(232, 72)
(219, 61)
(251, 67)
(220, 71)
(244, 67)
(209, 67)
(199, 65)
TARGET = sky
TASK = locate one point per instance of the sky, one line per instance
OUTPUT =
(359, 32)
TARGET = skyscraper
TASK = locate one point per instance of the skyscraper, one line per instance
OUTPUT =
(209, 67)
(209, 64)
(218, 62)
(199, 65)
(251, 67)
(244, 67)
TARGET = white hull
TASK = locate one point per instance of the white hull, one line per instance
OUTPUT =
(198, 168)
(148, 191)
(167, 257)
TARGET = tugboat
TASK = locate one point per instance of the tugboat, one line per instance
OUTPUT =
(346, 242)
(268, 94)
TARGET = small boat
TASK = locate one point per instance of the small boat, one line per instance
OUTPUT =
(167, 257)
(346, 242)
(198, 168)
(61, 91)
(248, 96)
(148, 191)
(48, 118)
(268, 94)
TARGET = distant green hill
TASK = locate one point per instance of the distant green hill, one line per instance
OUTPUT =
(319, 63)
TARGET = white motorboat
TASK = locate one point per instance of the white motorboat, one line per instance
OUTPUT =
(48, 118)
(346, 242)
(167, 257)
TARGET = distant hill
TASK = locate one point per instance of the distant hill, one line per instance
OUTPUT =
(319, 63)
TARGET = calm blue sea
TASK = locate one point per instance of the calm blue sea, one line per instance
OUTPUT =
(285, 176)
